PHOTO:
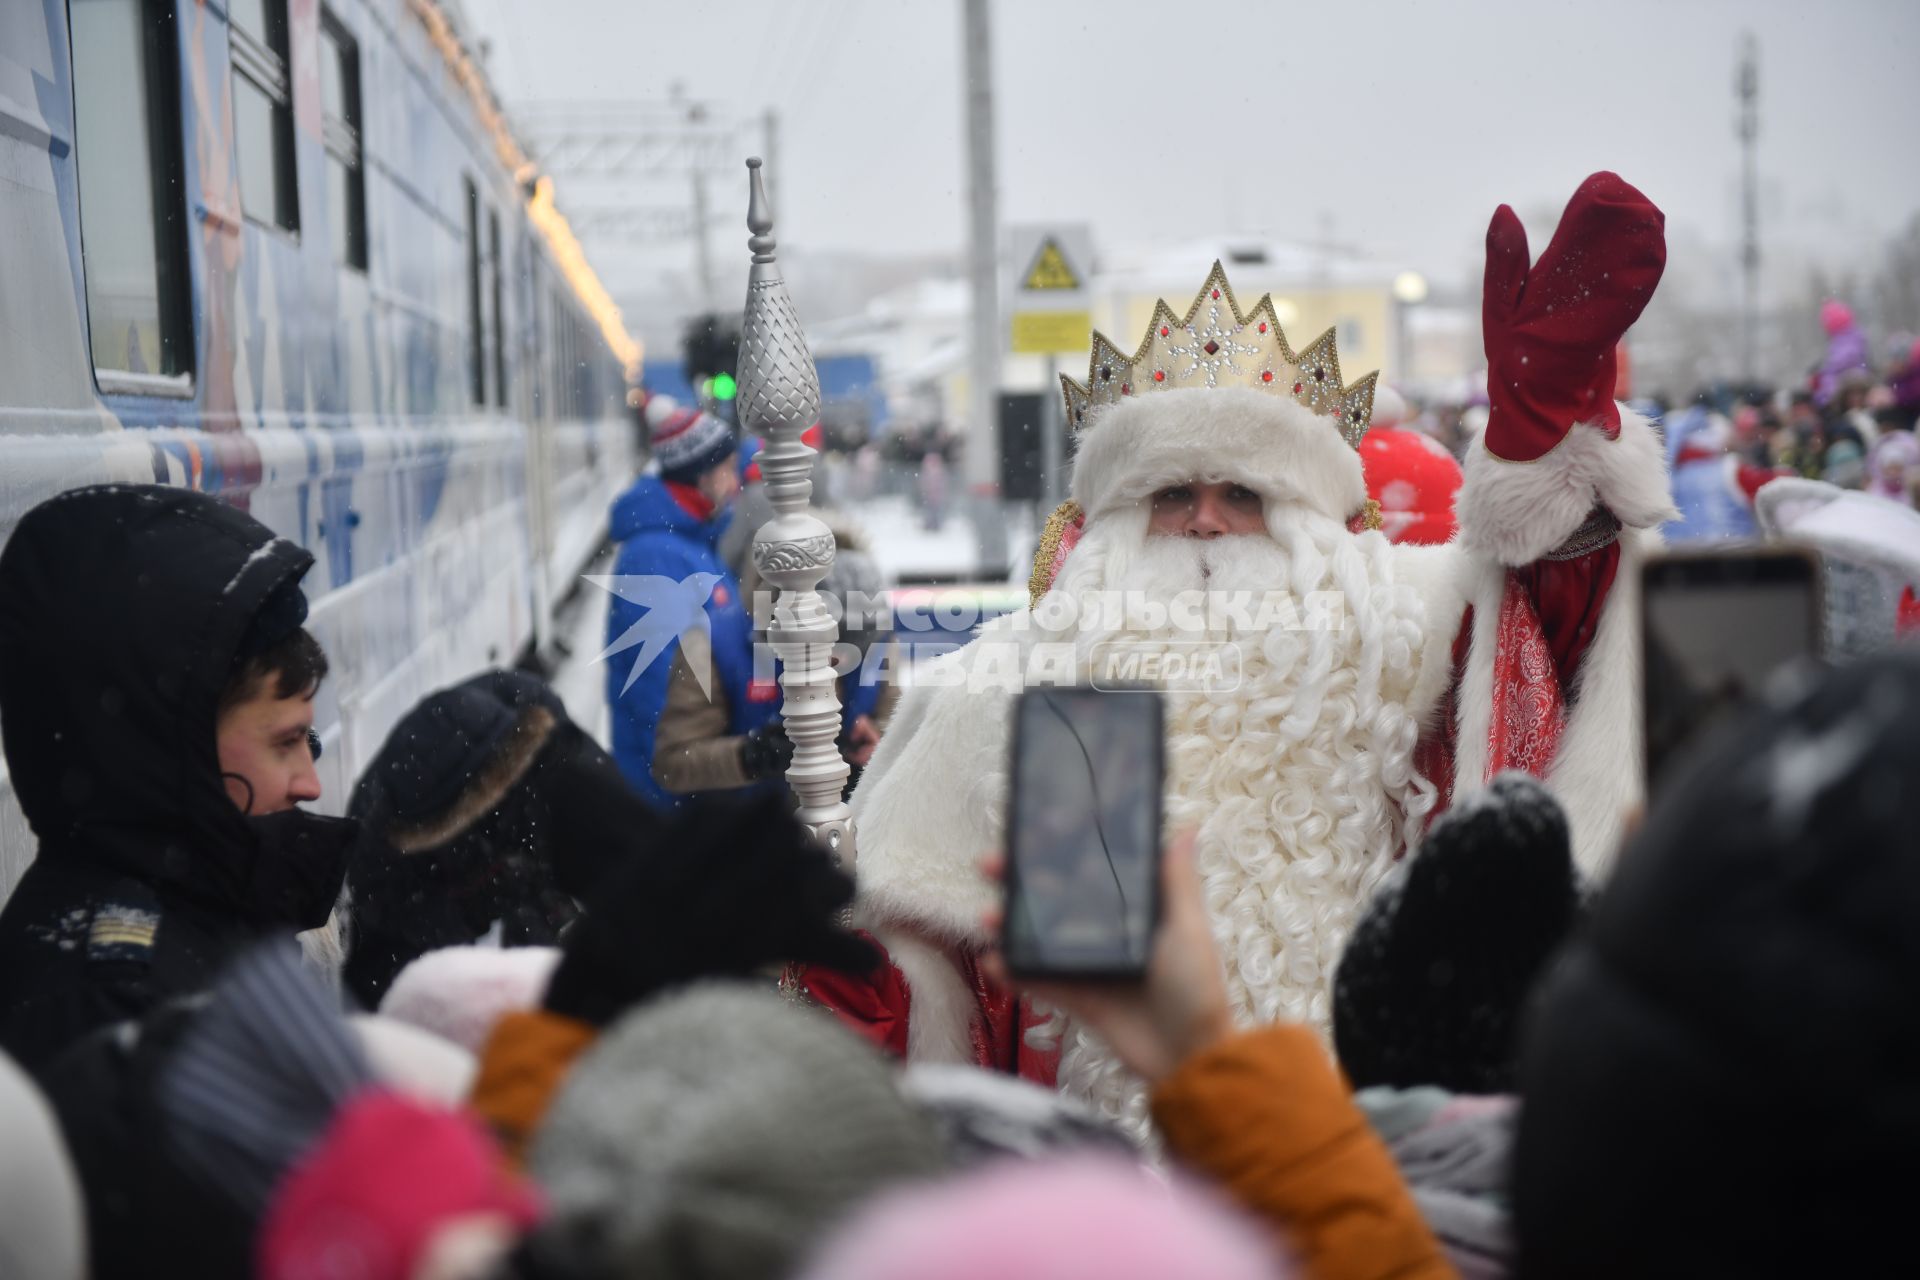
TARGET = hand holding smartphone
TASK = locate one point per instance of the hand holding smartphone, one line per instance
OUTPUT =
(1083, 838)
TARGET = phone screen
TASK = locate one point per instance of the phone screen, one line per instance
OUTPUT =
(1717, 626)
(1083, 853)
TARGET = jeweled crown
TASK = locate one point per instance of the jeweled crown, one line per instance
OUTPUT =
(1217, 345)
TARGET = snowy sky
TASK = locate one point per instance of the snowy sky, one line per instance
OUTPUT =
(1396, 126)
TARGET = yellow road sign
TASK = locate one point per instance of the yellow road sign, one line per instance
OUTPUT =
(1045, 333)
(1050, 269)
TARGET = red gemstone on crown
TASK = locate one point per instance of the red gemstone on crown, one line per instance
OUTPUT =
(1263, 326)
(1212, 348)
(1297, 388)
(1163, 331)
(1267, 376)
(1126, 388)
(1216, 295)
(1159, 375)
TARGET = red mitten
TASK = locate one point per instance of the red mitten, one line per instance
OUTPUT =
(1551, 330)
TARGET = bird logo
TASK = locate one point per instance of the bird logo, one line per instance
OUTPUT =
(674, 606)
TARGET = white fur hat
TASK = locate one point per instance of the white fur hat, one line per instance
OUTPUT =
(417, 1063)
(1270, 443)
(458, 993)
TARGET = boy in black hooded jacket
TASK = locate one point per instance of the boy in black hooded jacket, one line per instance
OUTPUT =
(156, 704)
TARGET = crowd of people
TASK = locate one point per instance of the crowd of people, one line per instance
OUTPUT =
(1849, 421)
(1435, 990)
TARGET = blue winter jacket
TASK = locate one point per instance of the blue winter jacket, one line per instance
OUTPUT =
(670, 557)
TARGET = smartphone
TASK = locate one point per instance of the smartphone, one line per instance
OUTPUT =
(1083, 832)
(1716, 626)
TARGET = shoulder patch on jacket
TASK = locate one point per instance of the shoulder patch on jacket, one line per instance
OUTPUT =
(122, 931)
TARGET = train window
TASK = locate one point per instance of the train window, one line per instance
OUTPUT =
(476, 335)
(499, 311)
(132, 217)
(263, 112)
(340, 129)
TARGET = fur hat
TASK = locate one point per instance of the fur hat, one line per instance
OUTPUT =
(715, 1135)
(1431, 986)
(455, 756)
(986, 1115)
(1085, 1219)
(414, 1062)
(685, 440)
(460, 992)
(1275, 446)
(42, 1219)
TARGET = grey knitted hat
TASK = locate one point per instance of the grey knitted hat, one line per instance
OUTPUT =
(716, 1134)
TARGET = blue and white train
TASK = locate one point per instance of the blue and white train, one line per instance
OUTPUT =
(288, 252)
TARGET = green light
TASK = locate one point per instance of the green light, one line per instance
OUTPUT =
(724, 387)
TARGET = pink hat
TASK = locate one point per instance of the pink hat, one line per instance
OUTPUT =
(389, 1176)
(1086, 1219)
(1835, 316)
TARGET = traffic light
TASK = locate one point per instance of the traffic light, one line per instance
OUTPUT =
(711, 349)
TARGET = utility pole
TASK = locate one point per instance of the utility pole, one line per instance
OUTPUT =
(703, 259)
(983, 429)
(770, 140)
(1747, 89)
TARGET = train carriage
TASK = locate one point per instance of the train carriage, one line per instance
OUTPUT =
(289, 252)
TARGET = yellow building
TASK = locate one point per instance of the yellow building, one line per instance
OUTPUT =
(1313, 290)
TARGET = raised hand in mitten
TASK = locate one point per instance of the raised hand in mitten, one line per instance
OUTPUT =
(1552, 328)
(729, 890)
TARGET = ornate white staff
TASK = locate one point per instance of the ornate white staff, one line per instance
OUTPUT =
(779, 399)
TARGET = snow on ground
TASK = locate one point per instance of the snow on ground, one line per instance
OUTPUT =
(906, 548)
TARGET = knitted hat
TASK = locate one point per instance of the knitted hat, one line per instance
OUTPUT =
(42, 1222)
(389, 1178)
(1723, 1075)
(460, 992)
(1085, 1219)
(257, 1075)
(1431, 986)
(716, 1134)
(986, 1115)
(414, 1062)
(685, 441)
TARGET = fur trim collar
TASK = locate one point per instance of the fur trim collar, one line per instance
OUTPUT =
(1516, 512)
(1597, 772)
(485, 789)
(1281, 450)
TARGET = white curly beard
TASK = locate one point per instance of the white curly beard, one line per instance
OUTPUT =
(1300, 782)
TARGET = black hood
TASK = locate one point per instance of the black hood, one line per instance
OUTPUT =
(121, 608)
(1723, 1074)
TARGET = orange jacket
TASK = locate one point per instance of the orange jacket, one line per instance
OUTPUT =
(1266, 1116)
(521, 1068)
